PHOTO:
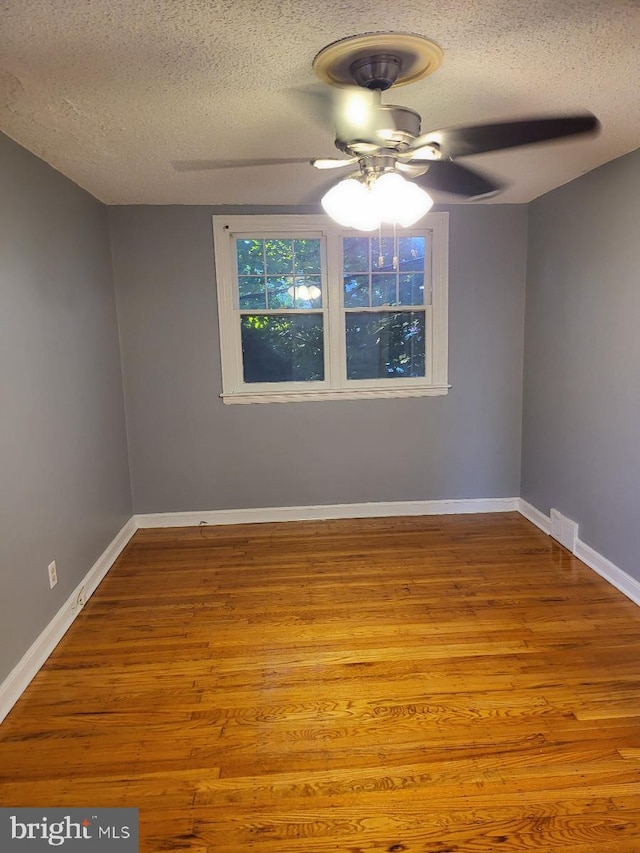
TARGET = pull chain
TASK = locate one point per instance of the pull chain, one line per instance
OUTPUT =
(380, 256)
(396, 262)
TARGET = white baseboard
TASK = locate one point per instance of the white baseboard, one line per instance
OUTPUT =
(605, 568)
(534, 516)
(22, 674)
(609, 571)
(326, 511)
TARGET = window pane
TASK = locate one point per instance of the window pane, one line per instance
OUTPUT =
(307, 291)
(308, 258)
(382, 249)
(389, 345)
(412, 289)
(383, 289)
(369, 262)
(280, 291)
(279, 256)
(282, 348)
(356, 291)
(411, 253)
(356, 254)
(250, 257)
(251, 291)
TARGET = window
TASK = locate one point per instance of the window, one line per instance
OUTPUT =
(312, 311)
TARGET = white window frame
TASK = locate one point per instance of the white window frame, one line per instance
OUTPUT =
(335, 385)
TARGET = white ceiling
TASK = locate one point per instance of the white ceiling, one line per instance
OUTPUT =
(113, 92)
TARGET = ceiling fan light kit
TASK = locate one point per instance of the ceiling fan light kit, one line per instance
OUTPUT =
(384, 140)
(389, 198)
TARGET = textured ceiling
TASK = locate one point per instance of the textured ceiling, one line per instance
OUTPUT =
(114, 93)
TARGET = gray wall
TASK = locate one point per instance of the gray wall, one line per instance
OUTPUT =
(64, 488)
(581, 428)
(189, 451)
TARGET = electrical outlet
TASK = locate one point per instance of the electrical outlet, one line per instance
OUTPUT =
(53, 574)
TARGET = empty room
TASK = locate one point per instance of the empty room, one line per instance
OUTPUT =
(320, 426)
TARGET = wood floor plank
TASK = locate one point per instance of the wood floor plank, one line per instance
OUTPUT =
(428, 685)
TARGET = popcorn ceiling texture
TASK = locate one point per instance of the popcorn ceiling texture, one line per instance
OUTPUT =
(112, 93)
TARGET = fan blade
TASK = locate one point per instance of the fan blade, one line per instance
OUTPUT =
(447, 176)
(314, 196)
(333, 162)
(355, 114)
(359, 116)
(463, 141)
(205, 165)
(315, 101)
(412, 170)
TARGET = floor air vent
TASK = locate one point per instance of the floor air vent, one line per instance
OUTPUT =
(564, 530)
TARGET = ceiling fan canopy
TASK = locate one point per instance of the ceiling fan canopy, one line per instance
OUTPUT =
(377, 60)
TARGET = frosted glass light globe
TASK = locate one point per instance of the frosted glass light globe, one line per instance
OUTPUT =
(390, 198)
(349, 204)
(399, 201)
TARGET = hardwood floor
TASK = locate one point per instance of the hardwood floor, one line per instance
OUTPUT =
(438, 684)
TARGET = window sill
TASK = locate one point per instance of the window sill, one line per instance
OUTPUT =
(244, 397)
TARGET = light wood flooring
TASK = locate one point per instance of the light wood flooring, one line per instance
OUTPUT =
(454, 684)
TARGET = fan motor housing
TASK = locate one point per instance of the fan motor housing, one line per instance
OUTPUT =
(398, 127)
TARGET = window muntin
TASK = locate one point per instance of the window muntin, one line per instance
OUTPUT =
(381, 273)
(279, 283)
(279, 273)
(384, 272)
(310, 310)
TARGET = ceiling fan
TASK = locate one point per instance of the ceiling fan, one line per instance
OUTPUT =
(384, 140)
(379, 137)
